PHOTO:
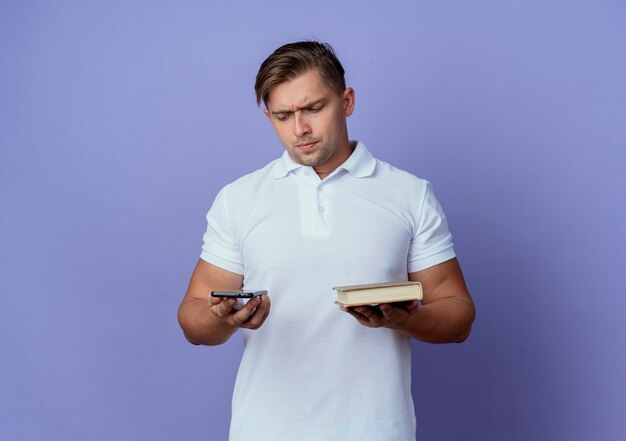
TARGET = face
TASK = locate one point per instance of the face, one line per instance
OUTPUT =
(310, 120)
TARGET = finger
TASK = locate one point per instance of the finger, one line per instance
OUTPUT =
(393, 315)
(388, 311)
(406, 306)
(411, 308)
(354, 313)
(371, 312)
(412, 305)
(357, 315)
(265, 308)
(225, 307)
(350, 310)
(369, 321)
(214, 300)
(246, 311)
(258, 317)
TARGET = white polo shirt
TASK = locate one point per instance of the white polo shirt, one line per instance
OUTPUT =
(312, 372)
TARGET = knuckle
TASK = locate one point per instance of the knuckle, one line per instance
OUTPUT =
(234, 320)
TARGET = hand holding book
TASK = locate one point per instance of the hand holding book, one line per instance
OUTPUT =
(380, 304)
(388, 315)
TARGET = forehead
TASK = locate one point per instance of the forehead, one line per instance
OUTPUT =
(299, 91)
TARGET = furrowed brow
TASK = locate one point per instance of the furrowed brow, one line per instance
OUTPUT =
(306, 106)
(313, 104)
(280, 112)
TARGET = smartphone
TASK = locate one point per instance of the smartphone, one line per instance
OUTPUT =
(238, 294)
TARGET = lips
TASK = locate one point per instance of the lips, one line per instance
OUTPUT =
(306, 147)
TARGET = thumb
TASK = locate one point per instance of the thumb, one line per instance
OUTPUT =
(214, 300)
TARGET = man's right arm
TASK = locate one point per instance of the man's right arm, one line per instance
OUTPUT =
(211, 321)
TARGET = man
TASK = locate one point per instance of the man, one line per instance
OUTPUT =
(325, 214)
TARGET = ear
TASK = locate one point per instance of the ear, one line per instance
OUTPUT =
(348, 101)
(267, 112)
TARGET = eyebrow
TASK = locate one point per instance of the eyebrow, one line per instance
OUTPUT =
(305, 107)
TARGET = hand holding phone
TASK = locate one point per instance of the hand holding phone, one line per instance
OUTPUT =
(242, 297)
(238, 294)
(257, 307)
(249, 311)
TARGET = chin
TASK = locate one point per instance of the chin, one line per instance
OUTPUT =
(301, 159)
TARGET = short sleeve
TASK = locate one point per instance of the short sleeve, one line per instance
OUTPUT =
(431, 243)
(220, 245)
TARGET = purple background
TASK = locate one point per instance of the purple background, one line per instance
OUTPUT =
(120, 121)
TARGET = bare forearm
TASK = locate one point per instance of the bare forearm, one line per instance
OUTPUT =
(447, 320)
(201, 326)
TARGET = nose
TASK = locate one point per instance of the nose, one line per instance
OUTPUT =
(301, 125)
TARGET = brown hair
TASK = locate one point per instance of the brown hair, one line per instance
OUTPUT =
(293, 59)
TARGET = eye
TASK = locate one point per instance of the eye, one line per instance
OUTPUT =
(315, 109)
(281, 117)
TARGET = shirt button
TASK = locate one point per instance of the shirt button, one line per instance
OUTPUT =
(306, 173)
(321, 209)
(321, 188)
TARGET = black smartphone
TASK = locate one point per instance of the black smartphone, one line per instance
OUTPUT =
(238, 294)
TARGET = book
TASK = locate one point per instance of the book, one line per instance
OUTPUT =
(375, 293)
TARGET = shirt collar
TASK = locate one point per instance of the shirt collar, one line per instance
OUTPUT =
(284, 165)
(360, 164)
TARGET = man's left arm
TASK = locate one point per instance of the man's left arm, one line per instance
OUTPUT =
(444, 316)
